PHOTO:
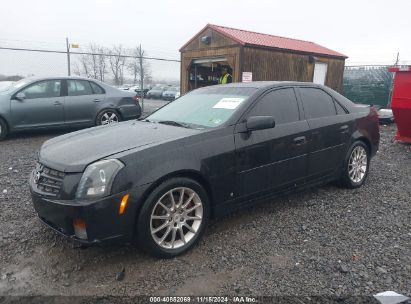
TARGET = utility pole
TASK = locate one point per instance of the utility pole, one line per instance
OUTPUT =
(68, 56)
(398, 59)
(140, 51)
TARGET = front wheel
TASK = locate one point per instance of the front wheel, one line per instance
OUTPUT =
(107, 117)
(173, 218)
(356, 165)
(3, 129)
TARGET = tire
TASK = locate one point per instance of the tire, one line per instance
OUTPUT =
(356, 166)
(3, 129)
(175, 237)
(106, 117)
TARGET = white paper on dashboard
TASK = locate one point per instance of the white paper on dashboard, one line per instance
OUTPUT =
(228, 103)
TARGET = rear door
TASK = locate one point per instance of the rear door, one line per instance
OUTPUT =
(271, 159)
(43, 105)
(328, 131)
(82, 101)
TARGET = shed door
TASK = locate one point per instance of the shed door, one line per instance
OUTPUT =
(320, 72)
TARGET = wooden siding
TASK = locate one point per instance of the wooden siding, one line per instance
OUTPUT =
(217, 41)
(268, 64)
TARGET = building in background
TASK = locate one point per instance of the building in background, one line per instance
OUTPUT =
(252, 56)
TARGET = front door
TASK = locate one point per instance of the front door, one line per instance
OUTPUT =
(42, 106)
(82, 102)
(320, 73)
(272, 159)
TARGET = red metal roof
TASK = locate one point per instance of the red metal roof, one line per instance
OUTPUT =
(252, 38)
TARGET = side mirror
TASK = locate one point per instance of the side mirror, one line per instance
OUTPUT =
(260, 123)
(20, 96)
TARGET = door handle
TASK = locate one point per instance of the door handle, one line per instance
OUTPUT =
(96, 100)
(344, 129)
(299, 140)
(57, 103)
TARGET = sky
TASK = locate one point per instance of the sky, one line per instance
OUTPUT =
(367, 31)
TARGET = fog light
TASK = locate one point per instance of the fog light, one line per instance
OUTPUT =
(80, 228)
(123, 204)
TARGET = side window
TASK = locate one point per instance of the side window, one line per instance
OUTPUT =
(340, 109)
(43, 89)
(78, 88)
(96, 88)
(317, 103)
(281, 104)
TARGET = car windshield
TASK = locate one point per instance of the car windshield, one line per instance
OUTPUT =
(14, 85)
(204, 108)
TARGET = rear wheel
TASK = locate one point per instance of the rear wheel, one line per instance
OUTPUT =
(3, 129)
(107, 117)
(356, 165)
(173, 218)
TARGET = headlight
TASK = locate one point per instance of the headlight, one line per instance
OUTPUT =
(98, 179)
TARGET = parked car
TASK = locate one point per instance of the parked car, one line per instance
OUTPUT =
(138, 90)
(214, 150)
(170, 93)
(56, 102)
(386, 116)
(155, 92)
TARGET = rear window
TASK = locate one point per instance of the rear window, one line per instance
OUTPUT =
(317, 103)
(96, 88)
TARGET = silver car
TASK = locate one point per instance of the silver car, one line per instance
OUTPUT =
(57, 102)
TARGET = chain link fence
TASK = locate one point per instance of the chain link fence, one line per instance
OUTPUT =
(370, 84)
(116, 65)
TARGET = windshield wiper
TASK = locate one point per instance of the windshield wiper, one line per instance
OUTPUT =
(174, 123)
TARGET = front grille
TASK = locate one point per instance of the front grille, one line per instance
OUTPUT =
(49, 181)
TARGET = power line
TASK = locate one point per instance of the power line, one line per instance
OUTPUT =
(86, 53)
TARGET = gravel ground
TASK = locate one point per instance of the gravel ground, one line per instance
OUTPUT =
(326, 242)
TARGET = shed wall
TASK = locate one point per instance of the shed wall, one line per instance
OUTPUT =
(269, 64)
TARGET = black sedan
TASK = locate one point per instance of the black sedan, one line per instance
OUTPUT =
(158, 181)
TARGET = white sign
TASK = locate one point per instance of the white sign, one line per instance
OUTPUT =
(228, 103)
(247, 76)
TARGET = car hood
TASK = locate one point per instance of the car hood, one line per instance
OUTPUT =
(74, 151)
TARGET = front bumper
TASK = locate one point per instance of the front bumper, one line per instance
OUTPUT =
(102, 218)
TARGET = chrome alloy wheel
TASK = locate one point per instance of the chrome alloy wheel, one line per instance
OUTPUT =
(176, 218)
(357, 164)
(109, 118)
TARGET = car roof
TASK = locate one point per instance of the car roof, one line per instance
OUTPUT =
(269, 84)
(35, 78)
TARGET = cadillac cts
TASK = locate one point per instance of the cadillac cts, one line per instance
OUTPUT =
(158, 181)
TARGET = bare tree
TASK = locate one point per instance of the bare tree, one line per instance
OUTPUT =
(136, 68)
(93, 64)
(117, 62)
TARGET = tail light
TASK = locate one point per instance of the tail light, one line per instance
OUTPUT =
(136, 99)
(375, 115)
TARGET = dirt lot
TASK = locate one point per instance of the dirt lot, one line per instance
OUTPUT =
(326, 241)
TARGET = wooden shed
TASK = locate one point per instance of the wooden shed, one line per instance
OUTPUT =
(257, 57)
